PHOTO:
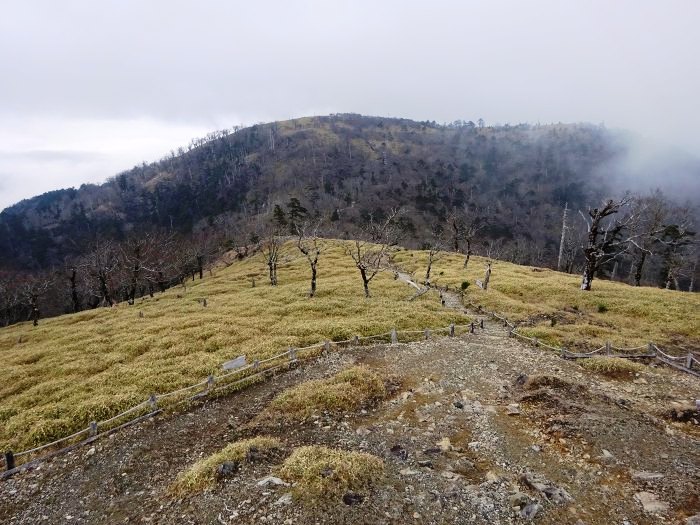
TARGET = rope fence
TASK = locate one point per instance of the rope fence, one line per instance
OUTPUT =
(688, 363)
(249, 374)
(213, 385)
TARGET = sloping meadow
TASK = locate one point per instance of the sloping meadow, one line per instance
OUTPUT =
(552, 307)
(77, 368)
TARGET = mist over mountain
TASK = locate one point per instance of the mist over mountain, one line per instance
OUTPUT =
(344, 168)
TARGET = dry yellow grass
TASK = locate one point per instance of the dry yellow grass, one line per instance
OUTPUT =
(202, 474)
(346, 391)
(322, 473)
(88, 366)
(611, 366)
(617, 312)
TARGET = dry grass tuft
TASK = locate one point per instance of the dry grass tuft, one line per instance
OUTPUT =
(346, 391)
(325, 473)
(202, 474)
(611, 366)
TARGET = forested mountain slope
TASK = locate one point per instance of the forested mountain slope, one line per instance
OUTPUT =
(342, 168)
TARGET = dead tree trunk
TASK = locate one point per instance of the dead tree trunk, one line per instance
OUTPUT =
(638, 267)
(469, 253)
(487, 276)
(365, 281)
(562, 242)
(75, 301)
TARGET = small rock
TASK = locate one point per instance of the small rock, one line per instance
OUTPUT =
(416, 516)
(408, 472)
(642, 475)
(352, 498)
(513, 409)
(492, 476)
(530, 511)
(227, 469)
(425, 463)
(519, 499)
(399, 452)
(607, 454)
(445, 445)
(91, 452)
(693, 520)
(458, 404)
(557, 495)
(286, 499)
(651, 503)
(271, 480)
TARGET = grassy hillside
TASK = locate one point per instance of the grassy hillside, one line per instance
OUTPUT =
(553, 308)
(88, 366)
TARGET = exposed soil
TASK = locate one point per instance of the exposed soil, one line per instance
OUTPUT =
(482, 430)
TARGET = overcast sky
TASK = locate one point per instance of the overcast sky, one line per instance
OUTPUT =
(90, 88)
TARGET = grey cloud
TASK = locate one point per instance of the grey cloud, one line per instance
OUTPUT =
(212, 64)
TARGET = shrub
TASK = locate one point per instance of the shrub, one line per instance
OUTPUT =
(611, 366)
(325, 473)
(465, 285)
(602, 308)
(202, 474)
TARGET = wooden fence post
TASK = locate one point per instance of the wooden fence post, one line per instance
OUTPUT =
(427, 334)
(9, 460)
(210, 382)
(689, 361)
(292, 354)
(505, 321)
(256, 364)
(608, 349)
(651, 348)
(452, 330)
(481, 324)
(356, 340)
(327, 346)
(536, 341)
(394, 336)
(471, 327)
(153, 401)
(511, 332)
(93, 428)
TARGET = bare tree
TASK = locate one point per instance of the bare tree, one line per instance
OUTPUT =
(271, 246)
(464, 226)
(311, 246)
(435, 251)
(372, 251)
(604, 241)
(652, 212)
(101, 263)
(32, 288)
(678, 255)
(9, 298)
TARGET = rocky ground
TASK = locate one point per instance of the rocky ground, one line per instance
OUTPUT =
(481, 430)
